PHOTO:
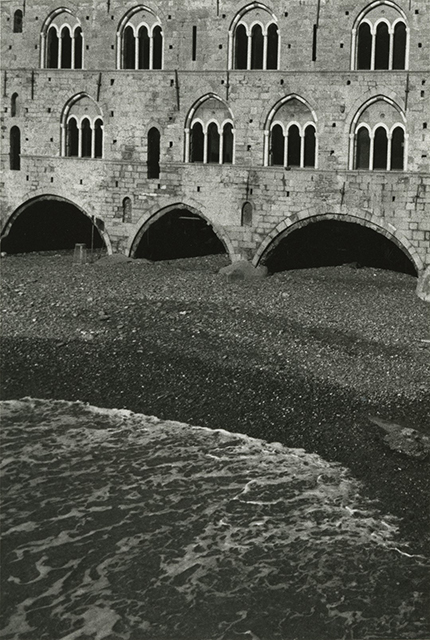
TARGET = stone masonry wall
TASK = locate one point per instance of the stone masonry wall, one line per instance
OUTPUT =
(397, 203)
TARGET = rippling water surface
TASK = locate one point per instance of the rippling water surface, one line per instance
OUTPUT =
(120, 526)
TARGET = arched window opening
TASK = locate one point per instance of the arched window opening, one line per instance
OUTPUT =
(129, 61)
(362, 149)
(246, 218)
(272, 46)
(380, 149)
(310, 144)
(17, 21)
(98, 138)
(213, 144)
(197, 143)
(294, 145)
(143, 48)
(364, 51)
(52, 49)
(399, 46)
(241, 47)
(277, 146)
(14, 105)
(227, 144)
(72, 146)
(86, 134)
(126, 210)
(66, 49)
(78, 48)
(398, 149)
(153, 153)
(157, 48)
(15, 149)
(382, 47)
(257, 47)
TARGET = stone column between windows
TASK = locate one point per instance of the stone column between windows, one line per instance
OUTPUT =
(221, 144)
(391, 50)
(266, 149)
(371, 149)
(389, 145)
(353, 50)
(60, 50)
(285, 147)
(93, 140)
(72, 62)
(205, 145)
(80, 140)
(248, 50)
(63, 139)
(302, 149)
(264, 51)
(136, 51)
(373, 54)
(352, 138)
(151, 49)
(187, 145)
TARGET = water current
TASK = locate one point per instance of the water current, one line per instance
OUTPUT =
(120, 526)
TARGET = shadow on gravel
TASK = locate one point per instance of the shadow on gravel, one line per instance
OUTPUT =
(297, 411)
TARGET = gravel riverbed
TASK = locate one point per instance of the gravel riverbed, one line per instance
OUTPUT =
(303, 357)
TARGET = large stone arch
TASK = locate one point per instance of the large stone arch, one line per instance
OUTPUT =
(100, 223)
(155, 213)
(336, 212)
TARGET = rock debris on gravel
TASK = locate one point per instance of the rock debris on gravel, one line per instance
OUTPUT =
(304, 357)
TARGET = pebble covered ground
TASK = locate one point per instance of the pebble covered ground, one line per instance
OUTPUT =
(303, 357)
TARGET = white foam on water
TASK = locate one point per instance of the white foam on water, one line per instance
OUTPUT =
(120, 525)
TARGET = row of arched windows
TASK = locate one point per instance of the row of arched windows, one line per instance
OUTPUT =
(378, 137)
(380, 39)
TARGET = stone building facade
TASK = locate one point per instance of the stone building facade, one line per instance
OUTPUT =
(258, 117)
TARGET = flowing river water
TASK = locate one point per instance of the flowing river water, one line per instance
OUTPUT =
(120, 526)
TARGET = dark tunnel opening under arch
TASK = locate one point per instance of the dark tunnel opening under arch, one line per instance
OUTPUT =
(51, 225)
(327, 243)
(179, 233)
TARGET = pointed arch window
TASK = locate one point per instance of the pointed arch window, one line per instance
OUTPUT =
(153, 161)
(227, 146)
(72, 138)
(98, 138)
(62, 42)
(254, 40)
(66, 49)
(241, 47)
(277, 147)
(363, 149)
(310, 146)
(15, 149)
(212, 143)
(382, 46)
(140, 41)
(17, 21)
(379, 148)
(380, 39)
(290, 136)
(257, 46)
(82, 128)
(197, 143)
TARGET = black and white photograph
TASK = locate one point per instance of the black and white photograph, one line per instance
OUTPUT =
(215, 320)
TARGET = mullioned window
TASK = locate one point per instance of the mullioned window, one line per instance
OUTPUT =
(209, 134)
(82, 129)
(140, 40)
(379, 138)
(380, 38)
(291, 135)
(62, 41)
(254, 39)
